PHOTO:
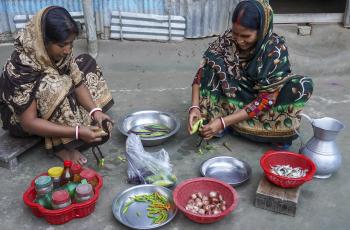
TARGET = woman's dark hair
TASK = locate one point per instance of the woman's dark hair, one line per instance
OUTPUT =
(58, 25)
(247, 14)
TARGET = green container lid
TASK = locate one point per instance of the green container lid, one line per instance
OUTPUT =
(70, 187)
(42, 182)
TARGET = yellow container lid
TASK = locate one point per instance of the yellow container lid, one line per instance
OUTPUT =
(55, 171)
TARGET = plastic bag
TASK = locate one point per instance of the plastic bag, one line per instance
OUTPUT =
(145, 167)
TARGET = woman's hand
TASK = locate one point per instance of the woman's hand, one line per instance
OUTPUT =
(100, 116)
(193, 116)
(91, 134)
(212, 128)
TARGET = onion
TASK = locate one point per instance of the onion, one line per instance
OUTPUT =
(213, 194)
(199, 204)
(216, 211)
(190, 201)
(206, 205)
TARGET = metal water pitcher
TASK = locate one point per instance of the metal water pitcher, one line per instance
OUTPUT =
(321, 148)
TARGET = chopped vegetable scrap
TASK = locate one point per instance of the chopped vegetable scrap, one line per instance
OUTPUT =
(151, 130)
(157, 209)
(121, 158)
(205, 148)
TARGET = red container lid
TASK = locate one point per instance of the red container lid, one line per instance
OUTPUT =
(60, 197)
(76, 168)
(88, 174)
(67, 163)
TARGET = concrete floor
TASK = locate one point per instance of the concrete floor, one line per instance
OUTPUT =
(151, 75)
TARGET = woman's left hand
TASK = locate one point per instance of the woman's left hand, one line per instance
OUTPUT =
(100, 116)
(212, 128)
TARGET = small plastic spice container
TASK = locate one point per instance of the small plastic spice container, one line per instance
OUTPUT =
(90, 176)
(83, 192)
(55, 173)
(76, 170)
(70, 188)
(43, 185)
(43, 188)
(60, 199)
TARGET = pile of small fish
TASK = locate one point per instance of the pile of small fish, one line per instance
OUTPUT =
(151, 130)
(288, 171)
(206, 205)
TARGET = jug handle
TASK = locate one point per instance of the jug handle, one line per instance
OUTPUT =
(298, 133)
(307, 117)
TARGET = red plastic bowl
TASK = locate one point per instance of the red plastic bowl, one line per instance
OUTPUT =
(183, 192)
(272, 158)
(61, 216)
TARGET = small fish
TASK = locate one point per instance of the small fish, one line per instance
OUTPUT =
(288, 171)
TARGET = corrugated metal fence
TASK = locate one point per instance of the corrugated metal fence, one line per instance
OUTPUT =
(203, 17)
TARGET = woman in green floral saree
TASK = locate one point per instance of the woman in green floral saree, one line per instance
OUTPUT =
(245, 82)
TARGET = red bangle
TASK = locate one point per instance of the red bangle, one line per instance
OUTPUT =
(94, 110)
(77, 132)
(192, 107)
(223, 122)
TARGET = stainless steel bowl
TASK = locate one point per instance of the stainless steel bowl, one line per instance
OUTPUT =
(228, 169)
(146, 117)
(136, 216)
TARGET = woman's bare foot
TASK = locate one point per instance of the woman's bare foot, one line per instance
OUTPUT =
(77, 157)
(64, 155)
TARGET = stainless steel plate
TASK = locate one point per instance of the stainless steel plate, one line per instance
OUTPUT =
(147, 117)
(136, 216)
(228, 169)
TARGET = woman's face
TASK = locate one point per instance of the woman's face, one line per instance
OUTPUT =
(245, 38)
(58, 51)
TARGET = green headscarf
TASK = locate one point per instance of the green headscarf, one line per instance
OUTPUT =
(265, 70)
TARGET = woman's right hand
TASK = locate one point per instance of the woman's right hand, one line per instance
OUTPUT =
(193, 116)
(91, 134)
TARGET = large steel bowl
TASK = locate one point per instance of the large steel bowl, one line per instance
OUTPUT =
(228, 169)
(147, 117)
(136, 216)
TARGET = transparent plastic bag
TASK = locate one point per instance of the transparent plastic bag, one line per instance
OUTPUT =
(145, 167)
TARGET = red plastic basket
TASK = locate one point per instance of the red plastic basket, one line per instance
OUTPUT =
(272, 158)
(61, 216)
(183, 192)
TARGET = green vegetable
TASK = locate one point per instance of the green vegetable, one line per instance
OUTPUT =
(196, 126)
(157, 209)
(164, 183)
(126, 206)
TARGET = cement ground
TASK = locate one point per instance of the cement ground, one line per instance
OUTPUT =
(152, 75)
